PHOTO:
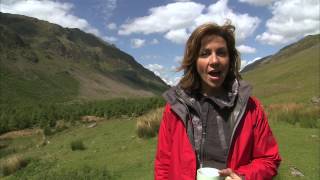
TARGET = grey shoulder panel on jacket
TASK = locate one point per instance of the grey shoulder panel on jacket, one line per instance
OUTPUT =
(176, 105)
(245, 90)
(170, 95)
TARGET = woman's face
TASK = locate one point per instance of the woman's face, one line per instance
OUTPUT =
(213, 64)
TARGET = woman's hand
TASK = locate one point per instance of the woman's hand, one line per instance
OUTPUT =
(229, 174)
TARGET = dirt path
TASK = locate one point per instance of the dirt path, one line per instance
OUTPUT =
(20, 133)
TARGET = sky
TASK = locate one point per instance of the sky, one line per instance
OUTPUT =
(154, 32)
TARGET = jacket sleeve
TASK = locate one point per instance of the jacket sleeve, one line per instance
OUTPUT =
(163, 154)
(265, 153)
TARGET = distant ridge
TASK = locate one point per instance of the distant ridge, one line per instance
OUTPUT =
(43, 61)
(255, 64)
(289, 76)
(305, 43)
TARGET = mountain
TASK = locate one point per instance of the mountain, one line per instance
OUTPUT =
(256, 64)
(305, 43)
(290, 75)
(41, 61)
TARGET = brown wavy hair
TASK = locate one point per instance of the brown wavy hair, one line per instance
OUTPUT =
(191, 80)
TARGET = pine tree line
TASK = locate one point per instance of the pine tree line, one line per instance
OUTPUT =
(47, 114)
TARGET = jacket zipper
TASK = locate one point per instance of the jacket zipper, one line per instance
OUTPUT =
(200, 155)
(203, 136)
(189, 116)
(238, 119)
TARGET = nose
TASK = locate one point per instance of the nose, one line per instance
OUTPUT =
(213, 60)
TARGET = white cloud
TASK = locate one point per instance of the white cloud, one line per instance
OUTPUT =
(137, 43)
(272, 39)
(292, 19)
(175, 80)
(173, 68)
(164, 18)
(112, 26)
(51, 11)
(220, 12)
(156, 68)
(245, 63)
(150, 57)
(178, 36)
(109, 38)
(177, 20)
(246, 49)
(104, 8)
(255, 59)
(154, 41)
(258, 2)
(178, 59)
(168, 75)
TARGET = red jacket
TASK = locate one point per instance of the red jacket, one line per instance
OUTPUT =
(253, 151)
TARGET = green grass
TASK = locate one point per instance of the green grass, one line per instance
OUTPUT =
(298, 148)
(19, 145)
(289, 79)
(113, 150)
(112, 146)
(42, 62)
(36, 86)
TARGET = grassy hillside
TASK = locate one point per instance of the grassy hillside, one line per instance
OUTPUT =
(113, 151)
(50, 69)
(112, 148)
(41, 62)
(291, 75)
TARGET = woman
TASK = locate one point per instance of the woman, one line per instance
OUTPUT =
(210, 119)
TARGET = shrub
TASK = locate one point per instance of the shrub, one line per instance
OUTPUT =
(309, 123)
(12, 164)
(61, 125)
(77, 145)
(83, 173)
(310, 118)
(7, 150)
(46, 114)
(148, 124)
(296, 114)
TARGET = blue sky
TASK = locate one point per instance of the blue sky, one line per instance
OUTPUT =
(154, 31)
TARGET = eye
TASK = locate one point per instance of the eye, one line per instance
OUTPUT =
(205, 53)
(222, 52)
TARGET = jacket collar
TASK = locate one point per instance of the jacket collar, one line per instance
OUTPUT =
(176, 93)
(180, 100)
(226, 100)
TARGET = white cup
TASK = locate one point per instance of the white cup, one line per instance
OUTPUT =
(208, 174)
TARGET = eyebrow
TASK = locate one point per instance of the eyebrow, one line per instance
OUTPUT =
(205, 48)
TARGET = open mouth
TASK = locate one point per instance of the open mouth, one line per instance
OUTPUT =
(215, 74)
